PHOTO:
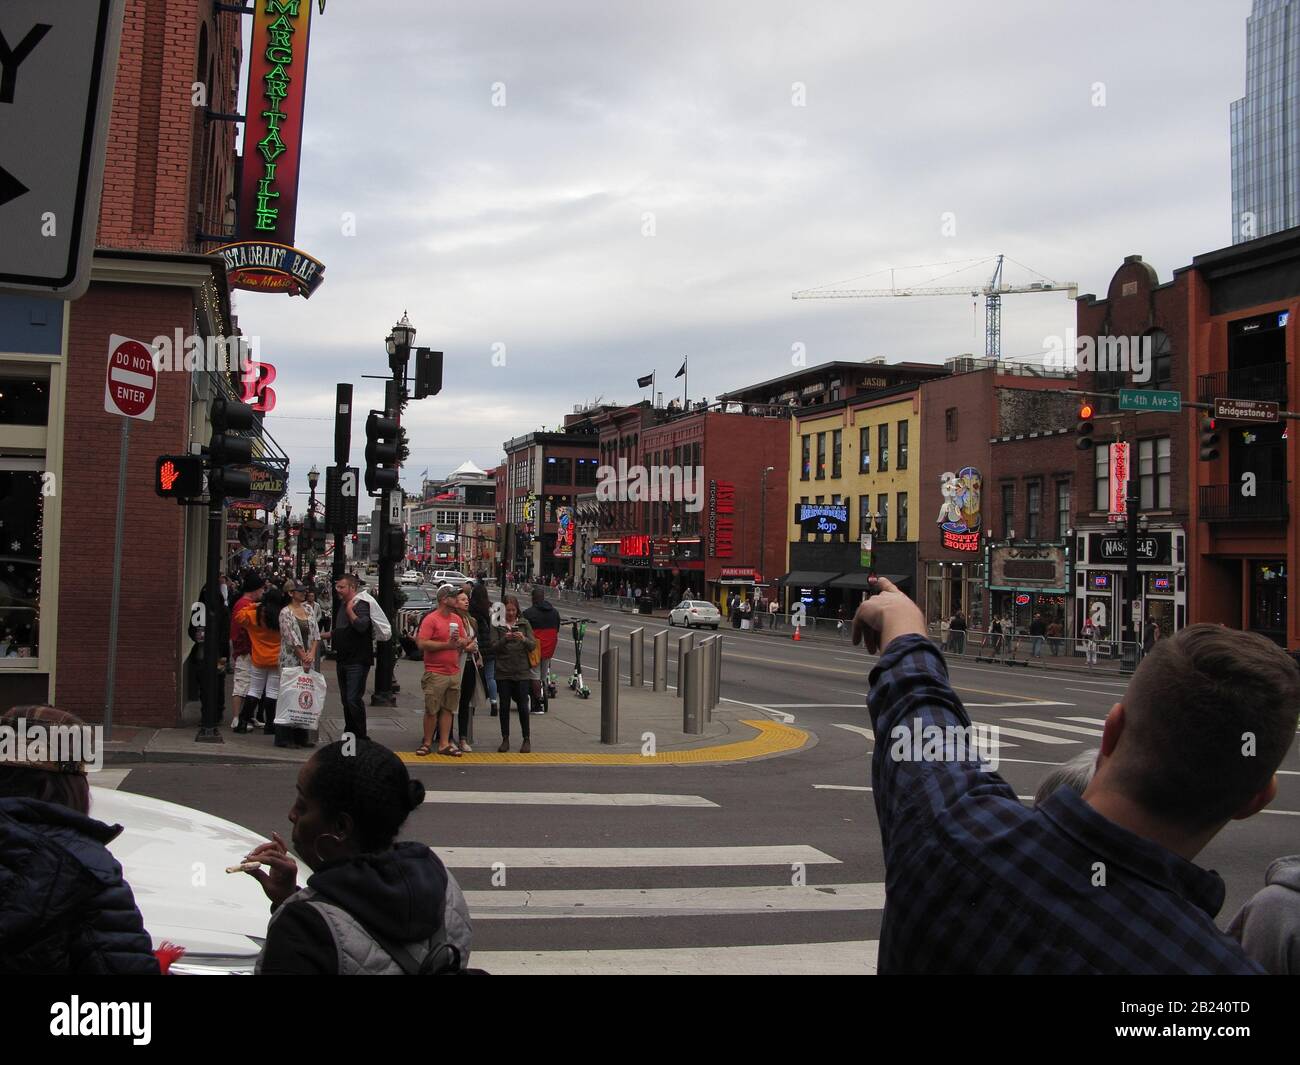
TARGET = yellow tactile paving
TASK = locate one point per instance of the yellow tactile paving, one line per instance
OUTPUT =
(773, 738)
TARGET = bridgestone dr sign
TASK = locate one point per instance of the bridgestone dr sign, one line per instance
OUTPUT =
(1245, 410)
(131, 382)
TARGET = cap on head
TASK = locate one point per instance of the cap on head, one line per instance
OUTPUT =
(446, 591)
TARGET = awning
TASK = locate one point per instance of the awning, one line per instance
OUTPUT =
(808, 578)
(859, 580)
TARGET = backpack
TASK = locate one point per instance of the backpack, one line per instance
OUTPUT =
(383, 629)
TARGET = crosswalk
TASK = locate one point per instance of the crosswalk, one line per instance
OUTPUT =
(999, 734)
(556, 908)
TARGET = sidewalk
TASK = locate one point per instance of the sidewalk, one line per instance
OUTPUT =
(568, 734)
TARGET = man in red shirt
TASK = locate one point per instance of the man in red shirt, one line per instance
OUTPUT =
(241, 650)
(443, 639)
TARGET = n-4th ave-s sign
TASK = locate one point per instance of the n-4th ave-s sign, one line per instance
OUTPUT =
(1150, 399)
(58, 62)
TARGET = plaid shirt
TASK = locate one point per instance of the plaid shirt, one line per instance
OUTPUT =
(976, 882)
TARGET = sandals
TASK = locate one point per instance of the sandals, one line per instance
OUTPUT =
(424, 750)
(450, 751)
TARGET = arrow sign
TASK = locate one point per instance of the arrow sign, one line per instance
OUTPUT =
(56, 94)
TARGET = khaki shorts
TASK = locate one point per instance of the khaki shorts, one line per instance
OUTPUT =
(243, 674)
(441, 692)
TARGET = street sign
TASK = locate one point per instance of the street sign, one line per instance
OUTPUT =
(131, 381)
(1150, 399)
(1245, 410)
(395, 507)
(56, 95)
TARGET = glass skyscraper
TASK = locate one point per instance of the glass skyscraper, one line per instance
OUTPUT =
(1266, 124)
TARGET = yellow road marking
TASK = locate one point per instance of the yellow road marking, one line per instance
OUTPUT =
(772, 738)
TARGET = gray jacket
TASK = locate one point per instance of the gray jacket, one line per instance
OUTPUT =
(1268, 926)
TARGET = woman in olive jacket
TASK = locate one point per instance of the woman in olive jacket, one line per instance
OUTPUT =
(511, 644)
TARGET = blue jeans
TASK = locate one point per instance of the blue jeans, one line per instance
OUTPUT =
(490, 678)
(1038, 647)
(352, 690)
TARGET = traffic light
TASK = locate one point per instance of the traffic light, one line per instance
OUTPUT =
(381, 453)
(225, 449)
(1084, 429)
(179, 476)
(396, 545)
(1209, 440)
(428, 372)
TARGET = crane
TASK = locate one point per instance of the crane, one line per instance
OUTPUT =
(992, 292)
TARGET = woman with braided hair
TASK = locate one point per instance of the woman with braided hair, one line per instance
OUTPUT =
(372, 906)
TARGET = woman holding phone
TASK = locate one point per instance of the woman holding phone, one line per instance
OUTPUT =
(512, 642)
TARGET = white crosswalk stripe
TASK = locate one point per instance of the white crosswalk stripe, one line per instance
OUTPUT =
(1058, 725)
(564, 798)
(1021, 734)
(672, 902)
(627, 857)
(851, 958)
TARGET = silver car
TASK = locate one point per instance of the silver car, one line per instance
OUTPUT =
(695, 613)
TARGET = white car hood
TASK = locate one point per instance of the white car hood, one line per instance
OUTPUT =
(175, 858)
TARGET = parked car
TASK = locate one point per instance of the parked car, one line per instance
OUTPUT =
(695, 613)
(219, 918)
(412, 576)
(409, 615)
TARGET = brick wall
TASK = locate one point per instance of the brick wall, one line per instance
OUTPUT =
(151, 611)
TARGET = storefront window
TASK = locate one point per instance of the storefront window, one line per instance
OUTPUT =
(21, 522)
(25, 395)
(1268, 598)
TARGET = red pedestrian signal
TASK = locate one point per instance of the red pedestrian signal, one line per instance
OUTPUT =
(178, 476)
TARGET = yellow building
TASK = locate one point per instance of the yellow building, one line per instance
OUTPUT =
(854, 472)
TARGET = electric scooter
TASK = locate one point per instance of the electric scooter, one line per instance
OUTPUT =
(576, 682)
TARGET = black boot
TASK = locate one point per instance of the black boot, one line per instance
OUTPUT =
(282, 734)
(268, 715)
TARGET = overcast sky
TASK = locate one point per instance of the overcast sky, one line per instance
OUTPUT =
(662, 177)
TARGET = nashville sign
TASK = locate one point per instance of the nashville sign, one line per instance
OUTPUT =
(272, 153)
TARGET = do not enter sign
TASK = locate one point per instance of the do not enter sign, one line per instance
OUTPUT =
(131, 383)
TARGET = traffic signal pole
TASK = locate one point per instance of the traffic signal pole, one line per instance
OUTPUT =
(210, 723)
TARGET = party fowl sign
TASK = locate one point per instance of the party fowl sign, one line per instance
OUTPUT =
(264, 259)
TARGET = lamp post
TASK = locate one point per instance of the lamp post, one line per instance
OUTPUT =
(398, 345)
(313, 478)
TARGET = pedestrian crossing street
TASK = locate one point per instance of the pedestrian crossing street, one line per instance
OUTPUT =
(731, 904)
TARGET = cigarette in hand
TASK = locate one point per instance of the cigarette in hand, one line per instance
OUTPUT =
(243, 867)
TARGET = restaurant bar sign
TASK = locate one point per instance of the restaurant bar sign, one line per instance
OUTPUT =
(264, 259)
(830, 518)
(1150, 549)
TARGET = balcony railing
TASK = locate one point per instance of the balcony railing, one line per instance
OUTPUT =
(1224, 502)
(1266, 382)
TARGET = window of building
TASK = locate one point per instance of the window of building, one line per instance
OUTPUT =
(864, 515)
(1153, 473)
(950, 423)
(864, 450)
(1162, 360)
(821, 456)
(882, 514)
(1101, 475)
(1033, 506)
(902, 446)
(1062, 508)
(901, 520)
(882, 447)
(1008, 509)
(585, 472)
(836, 447)
(559, 471)
(806, 460)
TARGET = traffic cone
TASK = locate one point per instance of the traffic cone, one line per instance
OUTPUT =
(796, 633)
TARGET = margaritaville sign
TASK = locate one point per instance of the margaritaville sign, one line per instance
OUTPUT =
(264, 259)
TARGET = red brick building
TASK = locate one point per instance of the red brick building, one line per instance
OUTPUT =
(1002, 437)
(537, 486)
(168, 177)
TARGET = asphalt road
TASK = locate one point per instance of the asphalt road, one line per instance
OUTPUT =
(771, 865)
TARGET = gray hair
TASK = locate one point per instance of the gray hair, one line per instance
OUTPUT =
(1075, 774)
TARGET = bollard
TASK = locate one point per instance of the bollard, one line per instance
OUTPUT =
(717, 674)
(602, 645)
(636, 667)
(661, 661)
(684, 644)
(609, 696)
(688, 683)
(705, 651)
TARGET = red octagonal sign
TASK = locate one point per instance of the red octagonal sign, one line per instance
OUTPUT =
(131, 382)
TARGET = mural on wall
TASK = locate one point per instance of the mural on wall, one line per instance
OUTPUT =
(959, 515)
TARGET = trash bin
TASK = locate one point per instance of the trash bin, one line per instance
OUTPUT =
(645, 605)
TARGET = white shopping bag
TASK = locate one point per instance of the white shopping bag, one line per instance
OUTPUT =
(744, 623)
(302, 698)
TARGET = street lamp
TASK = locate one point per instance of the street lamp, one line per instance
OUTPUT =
(313, 478)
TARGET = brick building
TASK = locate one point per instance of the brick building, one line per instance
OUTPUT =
(168, 177)
(537, 485)
(996, 467)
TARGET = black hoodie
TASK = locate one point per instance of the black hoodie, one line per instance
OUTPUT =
(400, 893)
